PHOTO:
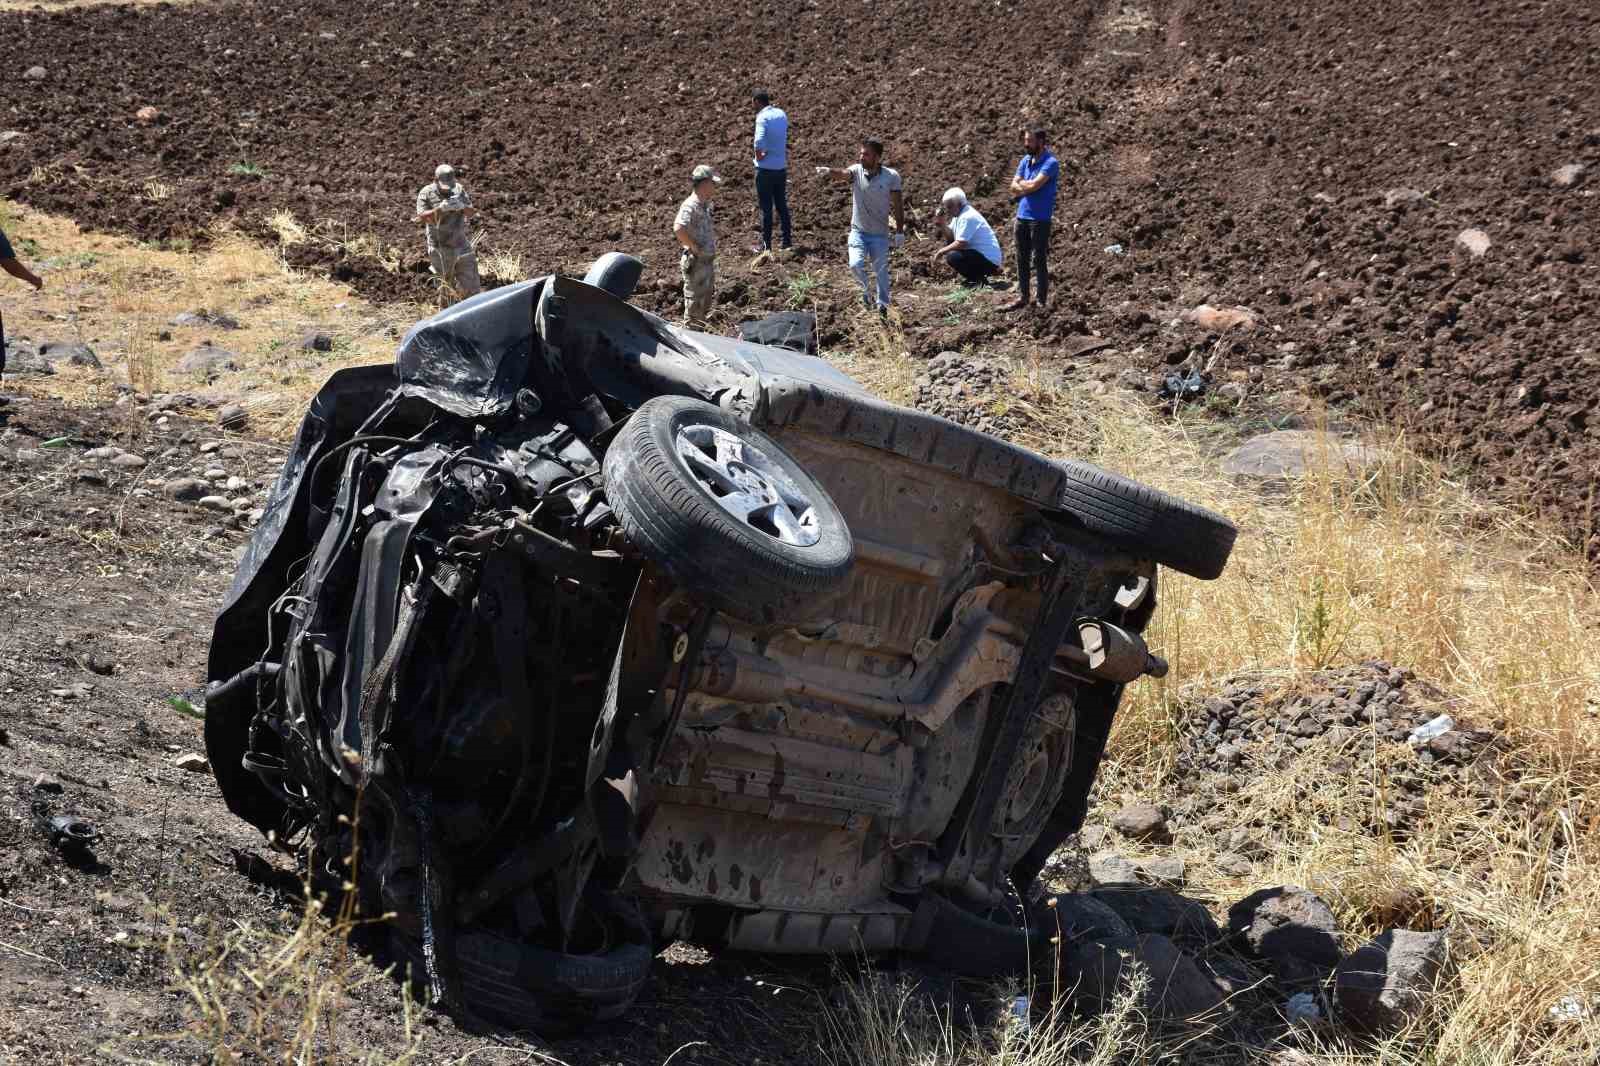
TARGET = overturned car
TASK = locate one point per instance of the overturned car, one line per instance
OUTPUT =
(575, 632)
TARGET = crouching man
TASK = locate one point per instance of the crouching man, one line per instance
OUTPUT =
(974, 251)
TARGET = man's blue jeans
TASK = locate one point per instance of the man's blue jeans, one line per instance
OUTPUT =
(870, 248)
(772, 192)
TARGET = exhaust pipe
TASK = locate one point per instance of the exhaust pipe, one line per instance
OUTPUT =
(1114, 654)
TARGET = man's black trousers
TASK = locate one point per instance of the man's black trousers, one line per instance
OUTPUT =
(1033, 257)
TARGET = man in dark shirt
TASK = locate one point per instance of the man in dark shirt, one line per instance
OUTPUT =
(1034, 187)
(9, 263)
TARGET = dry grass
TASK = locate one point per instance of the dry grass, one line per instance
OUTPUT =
(120, 296)
(1400, 563)
(875, 1019)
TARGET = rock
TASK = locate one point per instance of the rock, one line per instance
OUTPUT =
(47, 785)
(210, 446)
(1095, 971)
(1082, 917)
(1220, 319)
(1401, 197)
(202, 317)
(110, 451)
(193, 762)
(233, 416)
(317, 342)
(1291, 453)
(24, 358)
(70, 352)
(147, 114)
(128, 461)
(1156, 910)
(79, 690)
(1568, 176)
(1291, 928)
(215, 473)
(7, 136)
(215, 503)
(235, 484)
(207, 360)
(1382, 986)
(35, 73)
(1112, 869)
(1232, 864)
(1167, 871)
(1144, 822)
(185, 489)
(1474, 241)
(1303, 1009)
(91, 477)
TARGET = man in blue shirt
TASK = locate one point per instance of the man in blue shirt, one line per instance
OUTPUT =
(11, 265)
(772, 167)
(1034, 187)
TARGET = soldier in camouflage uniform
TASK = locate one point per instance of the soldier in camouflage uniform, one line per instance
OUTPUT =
(694, 230)
(444, 207)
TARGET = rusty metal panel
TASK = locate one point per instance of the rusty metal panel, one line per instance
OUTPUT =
(747, 860)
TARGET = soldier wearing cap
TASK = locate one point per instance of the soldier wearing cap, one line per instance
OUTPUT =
(444, 207)
(694, 230)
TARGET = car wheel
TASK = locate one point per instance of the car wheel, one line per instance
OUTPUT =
(979, 941)
(1163, 528)
(616, 273)
(726, 512)
(553, 993)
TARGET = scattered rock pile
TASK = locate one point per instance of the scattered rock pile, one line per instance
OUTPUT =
(967, 390)
(1252, 728)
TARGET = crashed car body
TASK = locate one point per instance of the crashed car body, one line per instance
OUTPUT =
(575, 631)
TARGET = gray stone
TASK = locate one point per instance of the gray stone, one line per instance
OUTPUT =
(1474, 241)
(236, 484)
(1156, 910)
(110, 451)
(193, 762)
(215, 503)
(1095, 971)
(1397, 197)
(201, 318)
(185, 489)
(128, 461)
(1109, 868)
(24, 358)
(233, 416)
(1382, 986)
(317, 342)
(1568, 176)
(1167, 871)
(208, 360)
(1143, 821)
(1291, 453)
(215, 473)
(35, 73)
(1082, 917)
(70, 352)
(1289, 927)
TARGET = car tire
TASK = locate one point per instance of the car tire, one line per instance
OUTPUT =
(973, 943)
(678, 477)
(615, 272)
(523, 986)
(1163, 528)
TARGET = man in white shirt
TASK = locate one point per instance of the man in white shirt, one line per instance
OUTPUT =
(876, 196)
(974, 250)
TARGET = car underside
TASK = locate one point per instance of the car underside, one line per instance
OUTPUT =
(574, 632)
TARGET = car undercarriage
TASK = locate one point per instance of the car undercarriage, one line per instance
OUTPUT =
(575, 632)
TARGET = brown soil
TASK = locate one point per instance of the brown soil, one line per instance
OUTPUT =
(1256, 153)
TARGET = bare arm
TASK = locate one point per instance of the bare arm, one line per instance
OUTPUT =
(897, 208)
(15, 268)
(837, 173)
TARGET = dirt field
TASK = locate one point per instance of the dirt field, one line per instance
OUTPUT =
(1314, 164)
